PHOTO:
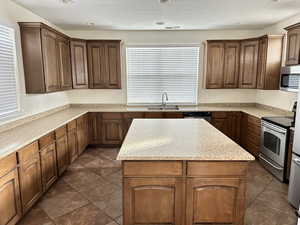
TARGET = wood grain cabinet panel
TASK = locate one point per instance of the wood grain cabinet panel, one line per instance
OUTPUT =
(153, 201)
(79, 64)
(64, 63)
(10, 207)
(248, 63)
(269, 62)
(95, 128)
(30, 175)
(46, 57)
(293, 45)
(215, 64)
(231, 64)
(62, 154)
(112, 131)
(72, 145)
(82, 133)
(215, 201)
(48, 166)
(104, 64)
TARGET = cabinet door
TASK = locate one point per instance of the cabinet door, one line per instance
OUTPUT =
(248, 64)
(51, 66)
(30, 175)
(72, 145)
(10, 207)
(95, 128)
(262, 62)
(97, 64)
(49, 166)
(215, 65)
(79, 64)
(112, 131)
(231, 64)
(293, 47)
(215, 200)
(62, 154)
(161, 197)
(64, 60)
(113, 66)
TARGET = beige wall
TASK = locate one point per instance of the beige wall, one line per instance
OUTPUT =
(10, 14)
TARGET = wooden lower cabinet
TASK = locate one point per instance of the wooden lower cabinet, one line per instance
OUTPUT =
(215, 200)
(184, 192)
(72, 141)
(62, 154)
(153, 201)
(30, 175)
(10, 203)
(95, 128)
(112, 128)
(82, 133)
(48, 165)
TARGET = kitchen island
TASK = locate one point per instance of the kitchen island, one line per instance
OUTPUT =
(182, 172)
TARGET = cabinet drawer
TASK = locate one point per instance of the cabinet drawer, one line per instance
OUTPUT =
(253, 120)
(133, 115)
(28, 152)
(153, 115)
(216, 169)
(8, 164)
(111, 116)
(152, 168)
(219, 115)
(60, 132)
(71, 125)
(173, 115)
(46, 140)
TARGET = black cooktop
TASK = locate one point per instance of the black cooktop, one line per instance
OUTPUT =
(285, 122)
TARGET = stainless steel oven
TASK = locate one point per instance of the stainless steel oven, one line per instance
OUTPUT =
(273, 148)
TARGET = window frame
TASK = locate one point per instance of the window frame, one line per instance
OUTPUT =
(10, 116)
(197, 45)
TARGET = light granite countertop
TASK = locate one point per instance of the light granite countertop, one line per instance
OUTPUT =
(173, 139)
(15, 138)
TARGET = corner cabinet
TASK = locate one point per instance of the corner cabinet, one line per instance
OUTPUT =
(104, 64)
(46, 57)
(293, 45)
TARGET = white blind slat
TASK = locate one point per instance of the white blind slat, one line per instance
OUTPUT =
(154, 70)
(8, 87)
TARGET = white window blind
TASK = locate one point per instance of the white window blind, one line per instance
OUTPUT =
(154, 70)
(8, 89)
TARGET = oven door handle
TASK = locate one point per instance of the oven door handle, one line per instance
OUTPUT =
(267, 127)
(271, 164)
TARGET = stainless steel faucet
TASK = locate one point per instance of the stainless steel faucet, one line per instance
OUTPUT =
(163, 99)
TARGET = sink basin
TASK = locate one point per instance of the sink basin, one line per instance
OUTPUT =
(167, 107)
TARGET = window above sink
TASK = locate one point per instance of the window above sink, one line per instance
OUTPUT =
(151, 71)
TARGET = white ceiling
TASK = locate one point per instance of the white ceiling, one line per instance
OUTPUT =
(143, 14)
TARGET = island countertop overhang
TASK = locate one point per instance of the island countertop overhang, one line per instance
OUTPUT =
(173, 139)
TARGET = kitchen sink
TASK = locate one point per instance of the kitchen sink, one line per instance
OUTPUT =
(167, 107)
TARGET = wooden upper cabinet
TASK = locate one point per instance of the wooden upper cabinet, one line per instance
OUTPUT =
(248, 63)
(64, 63)
(215, 64)
(46, 58)
(79, 64)
(104, 64)
(293, 45)
(269, 62)
(231, 64)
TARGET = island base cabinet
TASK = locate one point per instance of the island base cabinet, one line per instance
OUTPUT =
(153, 201)
(214, 200)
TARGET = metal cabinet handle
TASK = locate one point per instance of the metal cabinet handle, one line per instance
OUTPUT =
(271, 164)
(297, 161)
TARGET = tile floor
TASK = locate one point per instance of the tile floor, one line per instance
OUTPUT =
(89, 193)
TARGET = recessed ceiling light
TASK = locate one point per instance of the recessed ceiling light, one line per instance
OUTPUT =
(67, 1)
(160, 23)
(90, 24)
(165, 1)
